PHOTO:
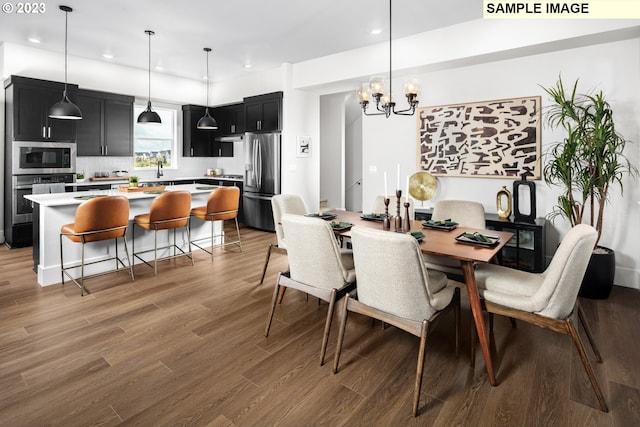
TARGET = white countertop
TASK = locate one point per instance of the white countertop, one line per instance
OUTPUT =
(65, 199)
(115, 180)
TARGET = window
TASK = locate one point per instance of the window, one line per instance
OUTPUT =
(153, 142)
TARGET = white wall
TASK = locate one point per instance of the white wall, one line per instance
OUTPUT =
(332, 150)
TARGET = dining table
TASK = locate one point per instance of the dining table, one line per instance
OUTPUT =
(443, 242)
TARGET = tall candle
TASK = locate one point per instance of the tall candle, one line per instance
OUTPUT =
(407, 187)
(398, 183)
(386, 193)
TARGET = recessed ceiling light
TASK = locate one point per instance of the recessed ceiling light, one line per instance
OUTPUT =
(107, 55)
(376, 31)
(34, 40)
(159, 68)
(205, 78)
(248, 66)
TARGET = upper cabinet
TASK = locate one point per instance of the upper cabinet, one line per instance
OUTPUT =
(107, 125)
(263, 113)
(27, 104)
(195, 142)
(232, 119)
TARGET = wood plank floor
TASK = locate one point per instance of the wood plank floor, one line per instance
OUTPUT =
(187, 347)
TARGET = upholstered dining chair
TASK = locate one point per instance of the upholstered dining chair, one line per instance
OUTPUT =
(378, 205)
(168, 211)
(547, 299)
(282, 204)
(222, 204)
(317, 266)
(466, 214)
(96, 220)
(394, 286)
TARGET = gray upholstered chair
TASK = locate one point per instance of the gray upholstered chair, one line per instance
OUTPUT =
(282, 204)
(547, 299)
(466, 214)
(395, 287)
(378, 205)
(317, 266)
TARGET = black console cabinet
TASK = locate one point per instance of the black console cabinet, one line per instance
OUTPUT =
(526, 249)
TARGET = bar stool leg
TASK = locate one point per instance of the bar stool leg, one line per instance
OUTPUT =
(238, 231)
(82, 270)
(129, 259)
(188, 227)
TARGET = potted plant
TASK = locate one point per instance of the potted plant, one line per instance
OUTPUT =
(80, 177)
(589, 163)
(133, 181)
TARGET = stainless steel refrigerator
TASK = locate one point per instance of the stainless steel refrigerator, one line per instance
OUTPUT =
(261, 178)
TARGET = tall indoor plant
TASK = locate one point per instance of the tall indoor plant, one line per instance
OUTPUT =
(589, 162)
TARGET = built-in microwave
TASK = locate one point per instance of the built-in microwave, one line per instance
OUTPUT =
(43, 157)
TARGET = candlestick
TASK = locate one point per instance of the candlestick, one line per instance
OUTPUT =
(398, 219)
(407, 220)
(386, 223)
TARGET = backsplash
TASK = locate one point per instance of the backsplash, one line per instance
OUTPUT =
(187, 166)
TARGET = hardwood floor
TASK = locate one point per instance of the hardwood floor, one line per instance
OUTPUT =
(187, 347)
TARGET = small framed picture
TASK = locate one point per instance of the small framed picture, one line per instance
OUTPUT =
(304, 146)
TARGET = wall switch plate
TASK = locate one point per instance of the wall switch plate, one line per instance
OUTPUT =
(373, 169)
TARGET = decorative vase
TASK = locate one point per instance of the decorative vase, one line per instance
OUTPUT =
(503, 213)
(517, 211)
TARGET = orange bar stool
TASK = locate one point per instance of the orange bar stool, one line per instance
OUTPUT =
(170, 210)
(223, 204)
(99, 219)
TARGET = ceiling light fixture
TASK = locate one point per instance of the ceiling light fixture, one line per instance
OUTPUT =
(65, 109)
(384, 103)
(34, 40)
(149, 116)
(207, 122)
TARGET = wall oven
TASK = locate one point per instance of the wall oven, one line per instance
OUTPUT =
(43, 158)
(24, 185)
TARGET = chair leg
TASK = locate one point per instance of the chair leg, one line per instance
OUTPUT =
(420, 367)
(212, 238)
(327, 325)
(456, 309)
(266, 263)
(61, 262)
(155, 252)
(587, 331)
(273, 306)
(82, 271)
(188, 228)
(238, 231)
(343, 327)
(587, 365)
(129, 259)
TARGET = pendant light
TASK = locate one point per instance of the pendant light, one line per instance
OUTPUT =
(207, 122)
(384, 103)
(149, 116)
(65, 109)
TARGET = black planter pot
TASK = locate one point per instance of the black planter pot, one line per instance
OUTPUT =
(598, 279)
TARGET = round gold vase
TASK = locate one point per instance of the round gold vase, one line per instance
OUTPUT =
(504, 212)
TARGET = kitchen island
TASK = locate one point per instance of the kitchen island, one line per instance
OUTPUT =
(52, 211)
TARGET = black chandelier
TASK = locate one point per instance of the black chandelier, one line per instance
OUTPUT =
(384, 103)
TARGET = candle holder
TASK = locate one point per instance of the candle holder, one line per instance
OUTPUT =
(398, 219)
(386, 223)
(407, 220)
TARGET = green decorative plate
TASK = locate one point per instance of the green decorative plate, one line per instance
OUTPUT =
(155, 192)
(89, 196)
(209, 187)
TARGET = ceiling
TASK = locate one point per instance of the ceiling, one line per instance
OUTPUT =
(264, 33)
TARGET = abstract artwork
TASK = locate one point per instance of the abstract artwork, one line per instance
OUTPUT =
(489, 139)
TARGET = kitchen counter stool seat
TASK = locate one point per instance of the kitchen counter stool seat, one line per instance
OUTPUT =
(96, 220)
(223, 204)
(168, 211)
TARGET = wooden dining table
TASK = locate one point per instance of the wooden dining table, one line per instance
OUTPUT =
(443, 243)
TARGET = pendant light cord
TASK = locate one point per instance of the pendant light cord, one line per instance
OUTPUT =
(66, 26)
(149, 33)
(207, 79)
(390, 75)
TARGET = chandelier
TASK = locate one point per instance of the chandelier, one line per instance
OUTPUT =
(384, 102)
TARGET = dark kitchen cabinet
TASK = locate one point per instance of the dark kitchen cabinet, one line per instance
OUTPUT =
(107, 125)
(232, 120)
(263, 113)
(199, 142)
(27, 103)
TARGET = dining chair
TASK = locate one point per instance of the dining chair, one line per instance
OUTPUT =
(378, 206)
(223, 204)
(466, 214)
(547, 299)
(394, 286)
(96, 220)
(168, 211)
(317, 266)
(282, 204)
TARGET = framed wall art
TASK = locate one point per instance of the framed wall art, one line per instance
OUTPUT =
(303, 146)
(489, 139)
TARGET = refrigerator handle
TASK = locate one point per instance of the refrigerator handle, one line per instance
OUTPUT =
(259, 164)
(254, 159)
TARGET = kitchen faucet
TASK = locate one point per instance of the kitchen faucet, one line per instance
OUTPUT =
(159, 173)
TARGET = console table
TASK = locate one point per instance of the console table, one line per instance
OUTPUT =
(525, 251)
